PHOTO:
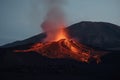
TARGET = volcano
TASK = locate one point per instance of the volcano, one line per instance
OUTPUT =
(58, 44)
(99, 35)
(34, 58)
(65, 49)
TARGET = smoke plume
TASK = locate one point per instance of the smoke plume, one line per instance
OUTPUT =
(54, 21)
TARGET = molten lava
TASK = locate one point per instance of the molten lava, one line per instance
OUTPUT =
(64, 47)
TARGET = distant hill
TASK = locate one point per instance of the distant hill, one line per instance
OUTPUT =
(95, 34)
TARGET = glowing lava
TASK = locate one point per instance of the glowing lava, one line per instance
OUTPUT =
(64, 47)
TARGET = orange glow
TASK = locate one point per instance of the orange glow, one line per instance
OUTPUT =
(61, 34)
(64, 47)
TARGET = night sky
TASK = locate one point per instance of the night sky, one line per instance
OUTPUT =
(21, 19)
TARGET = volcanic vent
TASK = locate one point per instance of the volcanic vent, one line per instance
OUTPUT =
(58, 43)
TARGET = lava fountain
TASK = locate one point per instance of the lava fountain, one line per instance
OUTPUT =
(58, 44)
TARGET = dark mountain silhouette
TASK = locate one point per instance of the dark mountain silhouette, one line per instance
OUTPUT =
(97, 34)
(33, 66)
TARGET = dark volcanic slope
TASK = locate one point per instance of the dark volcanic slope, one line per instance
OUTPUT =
(96, 34)
(33, 66)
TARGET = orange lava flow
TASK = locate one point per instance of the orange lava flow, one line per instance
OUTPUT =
(65, 47)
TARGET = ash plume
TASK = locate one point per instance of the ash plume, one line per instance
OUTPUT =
(54, 20)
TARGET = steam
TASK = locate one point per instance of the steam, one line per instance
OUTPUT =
(54, 20)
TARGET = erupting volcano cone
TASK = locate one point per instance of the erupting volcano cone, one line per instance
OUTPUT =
(65, 48)
(58, 44)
